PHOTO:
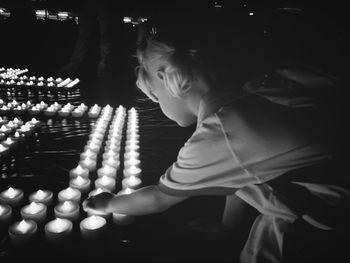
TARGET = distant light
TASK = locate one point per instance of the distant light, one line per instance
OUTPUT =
(251, 13)
(4, 13)
(127, 19)
(40, 12)
(62, 15)
(134, 20)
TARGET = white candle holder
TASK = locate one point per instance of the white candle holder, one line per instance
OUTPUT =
(80, 183)
(93, 227)
(112, 162)
(5, 214)
(132, 182)
(68, 210)
(132, 170)
(22, 232)
(132, 162)
(58, 230)
(105, 182)
(88, 163)
(42, 196)
(107, 170)
(69, 194)
(79, 171)
(12, 197)
(34, 211)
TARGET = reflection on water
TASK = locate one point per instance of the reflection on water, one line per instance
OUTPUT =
(44, 161)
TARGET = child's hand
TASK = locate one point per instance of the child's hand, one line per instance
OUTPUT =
(97, 203)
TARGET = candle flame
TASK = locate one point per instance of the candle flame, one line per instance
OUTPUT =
(11, 192)
(70, 193)
(94, 222)
(40, 194)
(67, 206)
(80, 180)
(34, 208)
(23, 226)
(58, 225)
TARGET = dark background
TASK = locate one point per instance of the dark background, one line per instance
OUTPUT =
(308, 33)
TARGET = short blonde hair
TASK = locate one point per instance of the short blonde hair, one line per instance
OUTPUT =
(178, 67)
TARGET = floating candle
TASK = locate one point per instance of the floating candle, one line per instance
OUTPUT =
(67, 209)
(4, 151)
(93, 227)
(12, 197)
(79, 171)
(107, 170)
(58, 230)
(34, 211)
(105, 182)
(132, 162)
(88, 163)
(80, 183)
(88, 154)
(131, 154)
(22, 232)
(42, 196)
(5, 214)
(132, 182)
(69, 194)
(132, 170)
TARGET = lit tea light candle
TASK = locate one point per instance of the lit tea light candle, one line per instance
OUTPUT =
(4, 151)
(132, 170)
(110, 154)
(132, 162)
(69, 194)
(88, 163)
(67, 209)
(131, 154)
(10, 143)
(58, 230)
(122, 219)
(80, 183)
(88, 154)
(93, 147)
(42, 196)
(22, 232)
(105, 182)
(107, 170)
(112, 162)
(132, 182)
(12, 197)
(79, 171)
(34, 211)
(5, 214)
(97, 191)
(93, 227)
(132, 147)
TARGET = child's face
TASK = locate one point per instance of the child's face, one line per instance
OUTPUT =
(176, 109)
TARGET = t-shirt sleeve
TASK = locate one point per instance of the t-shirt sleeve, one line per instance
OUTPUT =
(205, 165)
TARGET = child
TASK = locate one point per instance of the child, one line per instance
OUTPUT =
(260, 145)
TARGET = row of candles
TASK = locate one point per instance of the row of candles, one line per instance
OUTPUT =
(48, 110)
(68, 209)
(14, 132)
(59, 229)
(15, 77)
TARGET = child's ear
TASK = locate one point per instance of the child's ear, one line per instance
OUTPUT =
(161, 75)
